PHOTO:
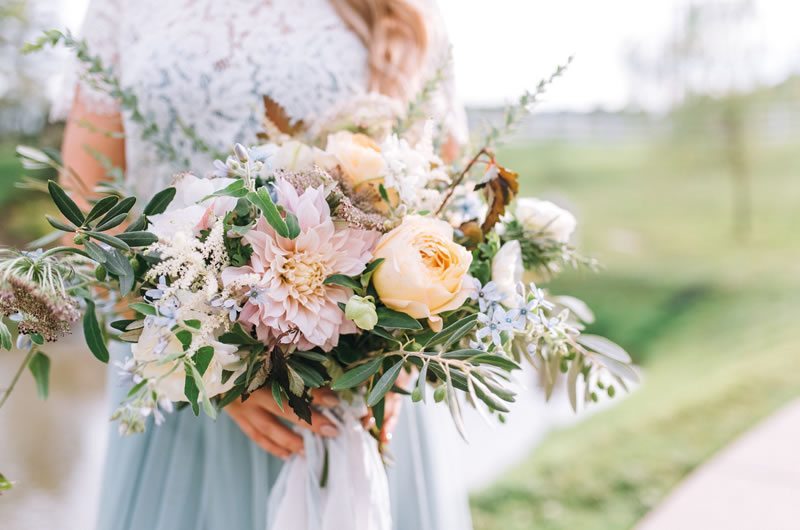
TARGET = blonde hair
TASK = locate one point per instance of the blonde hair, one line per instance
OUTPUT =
(396, 35)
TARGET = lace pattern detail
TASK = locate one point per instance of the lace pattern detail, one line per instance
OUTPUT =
(206, 65)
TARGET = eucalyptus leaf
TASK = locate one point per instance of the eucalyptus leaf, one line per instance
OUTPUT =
(64, 204)
(39, 365)
(619, 369)
(111, 223)
(101, 207)
(234, 189)
(6, 340)
(572, 383)
(202, 358)
(159, 203)
(344, 281)
(138, 238)
(390, 319)
(384, 384)
(384, 335)
(237, 335)
(93, 334)
(422, 382)
(496, 360)
(357, 375)
(311, 378)
(292, 225)
(58, 225)
(277, 395)
(139, 224)
(455, 407)
(604, 347)
(122, 325)
(109, 240)
(190, 388)
(33, 158)
(454, 332)
(95, 251)
(119, 265)
(262, 200)
(123, 206)
(143, 308)
(311, 356)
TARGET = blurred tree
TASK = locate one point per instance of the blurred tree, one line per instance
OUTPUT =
(705, 69)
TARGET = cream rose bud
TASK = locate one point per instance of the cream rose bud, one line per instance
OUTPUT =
(361, 310)
(425, 272)
(546, 218)
(359, 157)
(507, 271)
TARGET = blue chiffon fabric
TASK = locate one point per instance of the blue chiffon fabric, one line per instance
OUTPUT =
(194, 473)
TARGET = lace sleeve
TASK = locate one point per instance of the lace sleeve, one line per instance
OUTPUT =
(101, 31)
(444, 103)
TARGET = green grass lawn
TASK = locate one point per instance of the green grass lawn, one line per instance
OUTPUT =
(711, 320)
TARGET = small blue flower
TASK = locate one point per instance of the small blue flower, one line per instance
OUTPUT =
(493, 326)
(489, 297)
(24, 342)
(230, 305)
(158, 292)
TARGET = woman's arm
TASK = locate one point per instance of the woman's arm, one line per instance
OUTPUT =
(86, 135)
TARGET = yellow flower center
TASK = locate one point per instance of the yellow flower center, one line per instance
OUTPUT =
(304, 274)
(434, 254)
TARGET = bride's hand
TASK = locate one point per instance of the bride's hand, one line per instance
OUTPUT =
(260, 419)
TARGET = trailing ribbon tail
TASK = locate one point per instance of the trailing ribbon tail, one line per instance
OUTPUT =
(355, 494)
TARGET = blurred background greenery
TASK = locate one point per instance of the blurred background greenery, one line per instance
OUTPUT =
(693, 210)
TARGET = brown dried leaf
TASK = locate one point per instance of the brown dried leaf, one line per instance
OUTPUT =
(501, 186)
(277, 121)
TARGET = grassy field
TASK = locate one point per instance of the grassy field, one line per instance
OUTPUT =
(711, 320)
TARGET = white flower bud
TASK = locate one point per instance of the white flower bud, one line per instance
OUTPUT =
(241, 152)
(361, 310)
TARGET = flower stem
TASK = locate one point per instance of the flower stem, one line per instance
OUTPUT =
(7, 391)
(460, 178)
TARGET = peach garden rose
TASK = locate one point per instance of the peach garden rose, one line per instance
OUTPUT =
(425, 272)
(359, 157)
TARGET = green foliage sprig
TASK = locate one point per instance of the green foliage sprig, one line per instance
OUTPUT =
(524, 106)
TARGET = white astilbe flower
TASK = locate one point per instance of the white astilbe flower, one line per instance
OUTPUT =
(411, 170)
(191, 264)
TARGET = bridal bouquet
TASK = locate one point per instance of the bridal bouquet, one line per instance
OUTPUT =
(292, 266)
(343, 256)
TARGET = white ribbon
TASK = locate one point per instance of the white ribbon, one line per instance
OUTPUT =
(356, 492)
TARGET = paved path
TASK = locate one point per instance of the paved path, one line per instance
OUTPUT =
(753, 484)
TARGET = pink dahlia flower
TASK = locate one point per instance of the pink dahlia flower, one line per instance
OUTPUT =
(285, 277)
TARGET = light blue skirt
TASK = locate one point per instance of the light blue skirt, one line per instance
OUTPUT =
(194, 473)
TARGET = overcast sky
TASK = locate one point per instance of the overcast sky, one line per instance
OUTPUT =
(502, 47)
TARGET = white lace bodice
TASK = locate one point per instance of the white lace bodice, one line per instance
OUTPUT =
(207, 64)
